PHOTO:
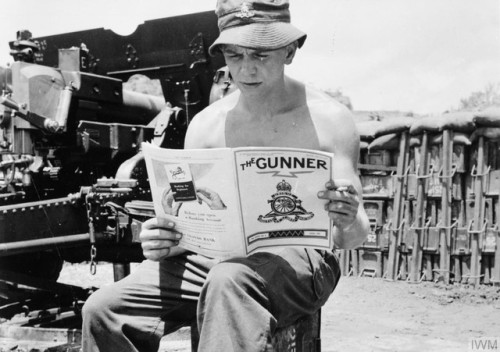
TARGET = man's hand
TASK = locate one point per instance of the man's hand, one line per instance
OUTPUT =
(169, 205)
(159, 239)
(210, 197)
(343, 202)
(204, 194)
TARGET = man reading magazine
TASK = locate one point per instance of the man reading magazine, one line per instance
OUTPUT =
(240, 302)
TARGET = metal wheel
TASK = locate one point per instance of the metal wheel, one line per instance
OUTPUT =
(283, 204)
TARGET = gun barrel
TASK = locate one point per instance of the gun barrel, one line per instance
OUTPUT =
(142, 101)
(34, 245)
(11, 104)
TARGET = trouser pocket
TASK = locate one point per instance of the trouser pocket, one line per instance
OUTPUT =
(325, 273)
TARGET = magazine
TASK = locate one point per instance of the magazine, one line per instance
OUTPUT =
(230, 202)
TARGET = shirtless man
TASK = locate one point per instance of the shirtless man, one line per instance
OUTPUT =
(239, 303)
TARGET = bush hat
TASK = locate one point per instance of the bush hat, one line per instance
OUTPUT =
(257, 24)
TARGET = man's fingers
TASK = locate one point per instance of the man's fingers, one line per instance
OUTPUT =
(333, 195)
(341, 185)
(156, 255)
(159, 229)
(159, 234)
(158, 222)
(204, 198)
(158, 245)
(165, 223)
(155, 223)
(340, 207)
(205, 191)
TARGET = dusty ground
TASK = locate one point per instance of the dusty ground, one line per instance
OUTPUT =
(367, 314)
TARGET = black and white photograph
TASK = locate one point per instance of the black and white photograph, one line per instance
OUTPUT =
(402, 95)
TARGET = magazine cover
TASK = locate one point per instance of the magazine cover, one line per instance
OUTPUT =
(231, 202)
(279, 204)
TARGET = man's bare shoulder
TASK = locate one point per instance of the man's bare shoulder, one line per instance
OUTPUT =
(217, 110)
(207, 129)
(324, 104)
(333, 120)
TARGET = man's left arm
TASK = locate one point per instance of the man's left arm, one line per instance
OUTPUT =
(345, 206)
(344, 192)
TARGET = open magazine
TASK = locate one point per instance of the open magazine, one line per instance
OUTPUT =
(230, 202)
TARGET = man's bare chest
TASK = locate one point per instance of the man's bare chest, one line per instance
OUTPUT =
(286, 130)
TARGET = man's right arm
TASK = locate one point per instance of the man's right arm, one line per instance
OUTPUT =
(158, 237)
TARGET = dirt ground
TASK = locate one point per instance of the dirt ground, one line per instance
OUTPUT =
(366, 314)
(371, 314)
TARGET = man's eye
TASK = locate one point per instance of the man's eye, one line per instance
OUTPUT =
(261, 56)
(233, 56)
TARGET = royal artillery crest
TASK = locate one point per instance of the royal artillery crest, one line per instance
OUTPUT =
(285, 205)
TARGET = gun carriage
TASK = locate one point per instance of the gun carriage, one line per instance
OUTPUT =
(74, 110)
(73, 186)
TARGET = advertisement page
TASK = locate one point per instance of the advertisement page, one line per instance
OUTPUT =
(196, 189)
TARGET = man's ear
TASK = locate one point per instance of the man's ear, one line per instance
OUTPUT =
(291, 49)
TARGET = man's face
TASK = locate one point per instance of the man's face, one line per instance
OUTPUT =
(255, 71)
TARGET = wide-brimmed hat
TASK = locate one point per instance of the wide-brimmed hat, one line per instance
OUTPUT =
(257, 24)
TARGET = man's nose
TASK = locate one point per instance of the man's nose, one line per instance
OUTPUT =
(248, 65)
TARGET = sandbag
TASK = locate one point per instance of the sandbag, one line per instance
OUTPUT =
(394, 125)
(370, 130)
(428, 123)
(491, 133)
(461, 121)
(489, 117)
(386, 142)
(458, 138)
(366, 129)
(363, 144)
(415, 141)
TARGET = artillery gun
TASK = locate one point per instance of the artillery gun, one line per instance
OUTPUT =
(73, 185)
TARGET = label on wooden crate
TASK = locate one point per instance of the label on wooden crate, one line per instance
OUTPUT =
(460, 242)
(377, 185)
(373, 239)
(375, 211)
(379, 157)
(490, 240)
(435, 186)
(431, 240)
